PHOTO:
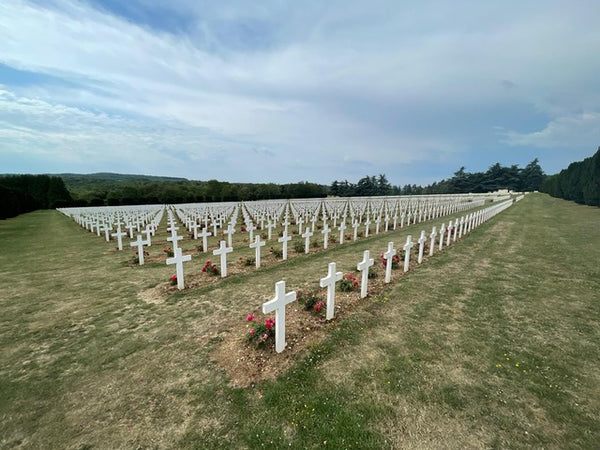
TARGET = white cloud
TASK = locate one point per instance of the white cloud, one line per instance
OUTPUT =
(576, 131)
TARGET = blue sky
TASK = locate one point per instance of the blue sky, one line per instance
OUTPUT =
(276, 91)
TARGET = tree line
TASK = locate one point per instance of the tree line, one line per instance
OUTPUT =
(579, 182)
(24, 193)
(529, 178)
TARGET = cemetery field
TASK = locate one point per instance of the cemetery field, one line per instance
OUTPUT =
(493, 342)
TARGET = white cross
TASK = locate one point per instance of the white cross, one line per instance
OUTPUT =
(329, 282)
(367, 223)
(325, 233)
(432, 242)
(194, 227)
(402, 220)
(119, 235)
(462, 224)
(129, 227)
(229, 232)
(174, 238)
(389, 255)
(270, 226)
(449, 233)
(363, 266)
(355, 227)
(284, 240)
(215, 224)
(442, 231)
(106, 230)
(222, 251)
(140, 245)
(313, 221)
(307, 235)
(148, 233)
(421, 242)
(377, 222)
(342, 228)
(387, 224)
(250, 228)
(178, 260)
(455, 230)
(300, 222)
(278, 304)
(256, 245)
(395, 221)
(204, 235)
(407, 246)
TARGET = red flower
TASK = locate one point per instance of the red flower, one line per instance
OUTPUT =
(355, 283)
(265, 336)
(250, 317)
(252, 331)
(174, 277)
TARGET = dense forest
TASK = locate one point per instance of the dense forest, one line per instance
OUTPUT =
(116, 189)
(579, 182)
(24, 193)
(496, 177)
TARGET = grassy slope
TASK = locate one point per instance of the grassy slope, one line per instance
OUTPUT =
(431, 362)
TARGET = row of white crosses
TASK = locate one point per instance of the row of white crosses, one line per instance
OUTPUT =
(282, 299)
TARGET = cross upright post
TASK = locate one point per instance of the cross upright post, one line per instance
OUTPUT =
(222, 252)
(407, 246)
(389, 255)
(178, 260)
(363, 266)
(329, 282)
(278, 304)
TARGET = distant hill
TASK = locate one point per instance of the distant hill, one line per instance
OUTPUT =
(75, 179)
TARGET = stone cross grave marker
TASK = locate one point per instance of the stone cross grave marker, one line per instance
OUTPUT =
(449, 236)
(329, 282)
(377, 223)
(256, 245)
(284, 240)
(342, 229)
(222, 252)
(119, 235)
(229, 232)
(270, 226)
(194, 227)
(325, 231)
(367, 224)
(389, 255)
(363, 266)
(107, 229)
(455, 230)
(178, 260)
(174, 239)
(148, 233)
(204, 235)
(355, 225)
(278, 304)
(407, 246)
(129, 227)
(307, 235)
(442, 231)
(421, 241)
(432, 237)
(140, 245)
(250, 229)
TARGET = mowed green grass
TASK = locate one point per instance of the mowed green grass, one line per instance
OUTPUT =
(493, 342)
